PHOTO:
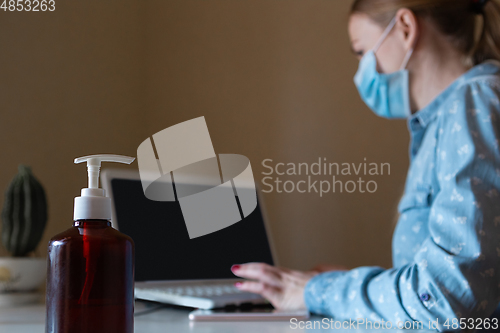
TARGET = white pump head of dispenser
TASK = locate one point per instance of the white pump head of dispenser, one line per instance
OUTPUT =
(93, 203)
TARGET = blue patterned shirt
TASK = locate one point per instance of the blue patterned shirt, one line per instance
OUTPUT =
(446, 245)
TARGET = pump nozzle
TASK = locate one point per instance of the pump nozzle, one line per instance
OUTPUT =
(93, 203)
(94, 165)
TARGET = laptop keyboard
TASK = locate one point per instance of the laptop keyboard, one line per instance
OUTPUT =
(199, 290)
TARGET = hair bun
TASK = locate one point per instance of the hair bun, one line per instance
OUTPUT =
(478, 6)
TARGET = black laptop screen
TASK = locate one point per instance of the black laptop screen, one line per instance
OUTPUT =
(163, 249)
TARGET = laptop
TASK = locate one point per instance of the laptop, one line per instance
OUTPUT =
(172, 268)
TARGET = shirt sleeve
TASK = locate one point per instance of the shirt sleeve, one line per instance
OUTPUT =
(456, 272)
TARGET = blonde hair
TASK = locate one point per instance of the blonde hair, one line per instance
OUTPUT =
(471, 26)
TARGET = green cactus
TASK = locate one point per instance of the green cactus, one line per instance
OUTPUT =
(24, 213)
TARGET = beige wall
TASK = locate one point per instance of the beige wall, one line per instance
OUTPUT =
(272, 78)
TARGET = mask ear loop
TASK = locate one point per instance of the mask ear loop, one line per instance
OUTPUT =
(384, 35)
(407, 58)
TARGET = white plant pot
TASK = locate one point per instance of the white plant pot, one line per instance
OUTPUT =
(20, 279)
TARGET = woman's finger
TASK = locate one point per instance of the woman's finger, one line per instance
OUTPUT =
(268, 292)
(258, 271)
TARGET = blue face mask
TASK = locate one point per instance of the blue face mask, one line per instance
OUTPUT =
(388, 95)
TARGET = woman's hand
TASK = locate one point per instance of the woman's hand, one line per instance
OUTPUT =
(283, 287)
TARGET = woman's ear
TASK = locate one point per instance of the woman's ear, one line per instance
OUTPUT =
(407, 27)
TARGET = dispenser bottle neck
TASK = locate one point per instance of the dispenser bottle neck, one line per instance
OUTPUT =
(91, 223)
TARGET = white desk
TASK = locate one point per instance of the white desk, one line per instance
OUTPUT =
(30, 319)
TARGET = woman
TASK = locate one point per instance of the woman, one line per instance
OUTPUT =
(421, 60)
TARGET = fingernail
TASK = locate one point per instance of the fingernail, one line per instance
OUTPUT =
(235, 267)
(238, 284)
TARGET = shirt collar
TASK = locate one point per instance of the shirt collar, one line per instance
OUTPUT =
(425, 116)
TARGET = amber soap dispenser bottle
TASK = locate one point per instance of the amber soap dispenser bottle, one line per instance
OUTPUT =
(90, 268)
